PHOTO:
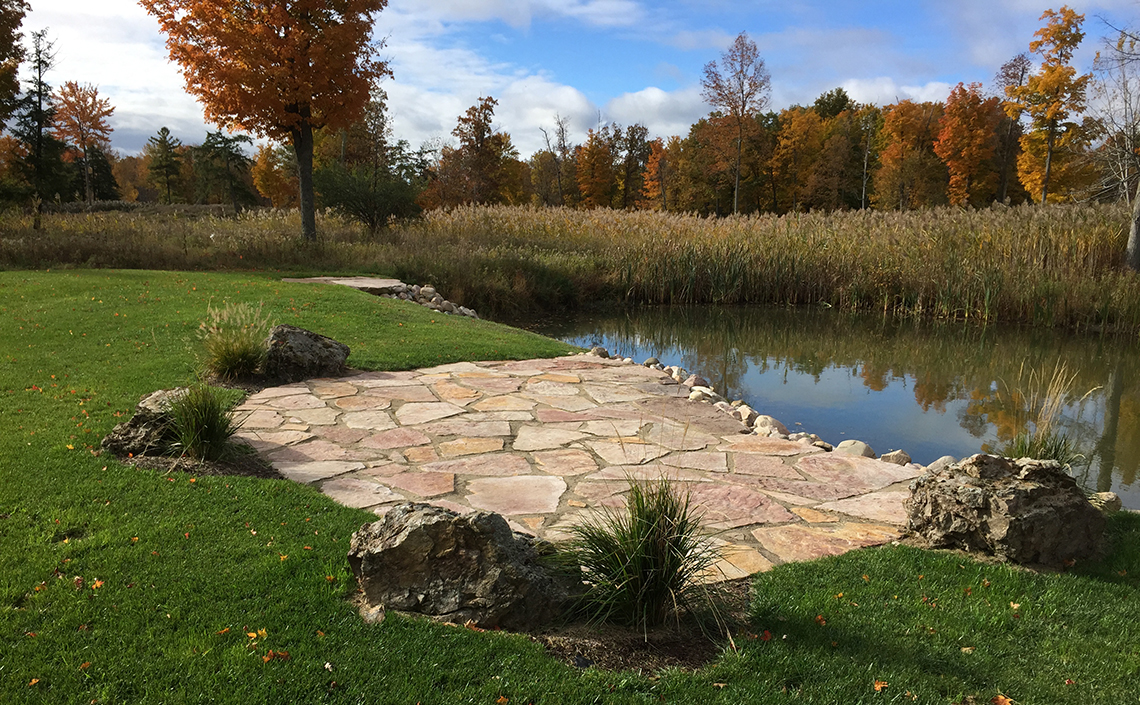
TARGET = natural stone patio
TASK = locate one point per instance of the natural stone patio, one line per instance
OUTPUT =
(544, 442)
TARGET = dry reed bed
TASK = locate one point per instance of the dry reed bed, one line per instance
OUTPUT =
(1053, 266)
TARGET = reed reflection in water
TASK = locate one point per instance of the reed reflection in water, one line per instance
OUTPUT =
(930, 388)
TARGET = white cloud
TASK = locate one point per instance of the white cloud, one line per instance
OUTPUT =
(885, 90)
(520, 14)
(664, 113)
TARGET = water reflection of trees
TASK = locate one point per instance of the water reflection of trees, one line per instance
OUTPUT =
(944, 363)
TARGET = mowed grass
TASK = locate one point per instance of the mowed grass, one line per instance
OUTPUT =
(134, 586)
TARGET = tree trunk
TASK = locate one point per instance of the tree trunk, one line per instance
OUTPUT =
(303, 146)
(1132, 253)
(739, 145)
(1048, 165)
(89, 192)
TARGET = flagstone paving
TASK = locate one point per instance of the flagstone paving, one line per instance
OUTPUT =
(547, 443)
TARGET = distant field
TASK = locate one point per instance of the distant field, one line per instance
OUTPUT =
(1057, 266)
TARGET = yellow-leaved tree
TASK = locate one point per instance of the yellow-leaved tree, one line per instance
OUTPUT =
(277, 68)
(1052, 97)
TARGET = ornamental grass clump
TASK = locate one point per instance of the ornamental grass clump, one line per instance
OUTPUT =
(642, 565)
(202, 423)
(234, 337)
(1038, 406)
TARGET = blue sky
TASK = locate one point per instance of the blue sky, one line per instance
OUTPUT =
(614, 60)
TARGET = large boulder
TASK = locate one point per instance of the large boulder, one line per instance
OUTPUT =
(459, 568)
(148, 431)
(1025, 511)
(294, 354)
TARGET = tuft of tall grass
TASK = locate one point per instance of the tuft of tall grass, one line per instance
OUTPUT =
(202, 423)
(234, 338)
(1039, 411)
(642, 565)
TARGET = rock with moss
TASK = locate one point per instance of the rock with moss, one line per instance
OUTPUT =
(1024, 511)
(457, 568)
(294, 354)
(148, 432)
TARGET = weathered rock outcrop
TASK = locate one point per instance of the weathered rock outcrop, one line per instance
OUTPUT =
(148, 431)
(430, 560)
(294, 354)
(1025, 511)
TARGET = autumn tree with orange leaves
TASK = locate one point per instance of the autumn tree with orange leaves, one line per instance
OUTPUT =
(278, 68)
(81, 120)
(967, 135)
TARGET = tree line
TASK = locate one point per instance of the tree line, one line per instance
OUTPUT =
(1030, 138)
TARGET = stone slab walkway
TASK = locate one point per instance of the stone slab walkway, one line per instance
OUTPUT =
(545, 442)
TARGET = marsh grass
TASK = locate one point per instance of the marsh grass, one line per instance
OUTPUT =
(202, 423)
(234, 338)
(643, 564)
(1058, 266)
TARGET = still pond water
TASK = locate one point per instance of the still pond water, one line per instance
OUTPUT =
(931, 389)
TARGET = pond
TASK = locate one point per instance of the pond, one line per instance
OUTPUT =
(929, 388)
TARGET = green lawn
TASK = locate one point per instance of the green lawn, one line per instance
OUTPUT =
(125, 585)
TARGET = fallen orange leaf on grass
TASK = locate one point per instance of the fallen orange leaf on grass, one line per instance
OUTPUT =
(1000, 700)
(84, 665)
(502, 700)
(97, 584)
(766, 636)
(820, 620)
(224, 631)
(880, 685)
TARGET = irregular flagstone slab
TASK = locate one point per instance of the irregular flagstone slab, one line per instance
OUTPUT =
(424, 484)
(737, 562)
(701, 460)
(858, 472)
(490, 464)
(283, 391)
(266, 440)
(470, 446)
(803, 488)
(484, 372)
(679, 436)
(423, 454)
(457, 427)
(796, 542)
(621, 373)
(539, 387)
(543, 438)
(330, 390)
(450, 368)
(812, 516)
(728, 507)
(626, 452)
(390, 394)
(651, 472)
(699, 416)
(606, 394)
(316, 417)
(565, 462)
(417, 413)
(296, 401)
(396, 438)
(362, 403)
(262, 419)
(313, 450)
(528, 494)
(312, 471)
(557, 415)
(503, 385)
(596, 491)
(766, 446)
(378, 385)
(383, 469)
(367, 379)
(534, 366)
(885, 506)
(612, 427)
(561, 378)
(454, 393)
(504, 403)
(480, 416)
(663, 388)
(763, 465)
(786, 498)
(341, 434)
(369, 420)
(358, 493)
